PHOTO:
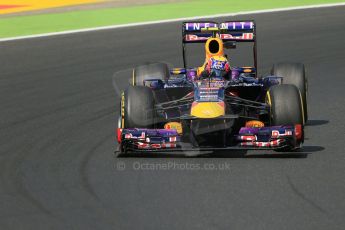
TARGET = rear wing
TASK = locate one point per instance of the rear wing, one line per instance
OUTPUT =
(238, 31)
(234, 31)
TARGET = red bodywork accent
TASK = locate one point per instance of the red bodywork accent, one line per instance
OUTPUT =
(248, 138)
(194, 104)
(233, 93)
(119, 134)
(191, 94)
(299, 132)
(221, 103)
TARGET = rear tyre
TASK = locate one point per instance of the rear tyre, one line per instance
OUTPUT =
(138, 107)
(294, 74)
(286, 105)
(150, 71)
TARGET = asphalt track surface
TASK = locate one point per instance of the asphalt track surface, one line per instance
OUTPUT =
(58, 109)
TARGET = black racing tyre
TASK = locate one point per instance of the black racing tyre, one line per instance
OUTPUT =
(294, 74)
(150, 71)
(137, 106)
(286, 105)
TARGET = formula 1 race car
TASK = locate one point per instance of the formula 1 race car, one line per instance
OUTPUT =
(166, 110)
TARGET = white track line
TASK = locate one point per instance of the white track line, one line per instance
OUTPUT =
(172, 20)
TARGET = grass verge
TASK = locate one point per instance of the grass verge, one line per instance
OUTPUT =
(47, 23)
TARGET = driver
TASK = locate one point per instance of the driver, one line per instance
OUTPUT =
(216, 67)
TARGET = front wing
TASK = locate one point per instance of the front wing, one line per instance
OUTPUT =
(288, 137)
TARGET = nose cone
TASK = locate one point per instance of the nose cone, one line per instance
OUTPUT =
(208, 109)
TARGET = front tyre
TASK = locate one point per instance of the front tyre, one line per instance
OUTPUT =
(294, 74)
(137, 107)
(286, 109)
(286, 105)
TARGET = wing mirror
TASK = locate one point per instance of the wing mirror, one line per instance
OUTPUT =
(230, 45)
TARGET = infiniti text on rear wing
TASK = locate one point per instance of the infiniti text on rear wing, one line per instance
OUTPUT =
(199, 32)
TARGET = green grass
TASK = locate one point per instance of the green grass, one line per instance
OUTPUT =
(46, 23)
